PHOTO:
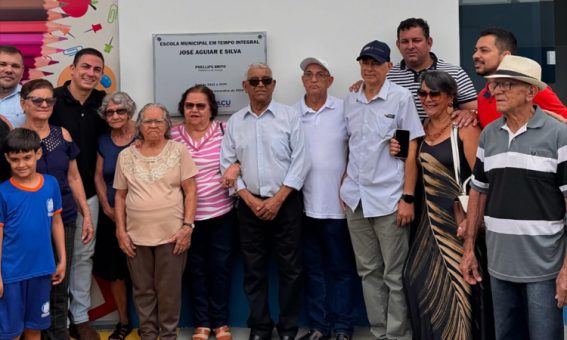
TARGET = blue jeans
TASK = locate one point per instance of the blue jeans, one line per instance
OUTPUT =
(526, 310)
(328, 258)
(210, 265)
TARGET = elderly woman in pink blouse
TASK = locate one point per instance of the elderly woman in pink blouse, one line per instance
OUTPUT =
(213, 238)
(155, 205)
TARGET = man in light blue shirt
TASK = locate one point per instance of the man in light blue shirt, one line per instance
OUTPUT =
(327, 250)
(378, 189)
(11, 72)
(267, 140)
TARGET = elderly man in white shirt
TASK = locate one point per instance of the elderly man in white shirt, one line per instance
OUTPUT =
(327, 250)
(378, 189)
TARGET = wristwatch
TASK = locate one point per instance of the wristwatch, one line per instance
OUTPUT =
(408, 198)
(190, 225)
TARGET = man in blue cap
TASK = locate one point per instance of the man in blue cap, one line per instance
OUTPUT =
(378, 189)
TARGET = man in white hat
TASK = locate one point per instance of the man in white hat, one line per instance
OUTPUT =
(327, 250)
(519, 187)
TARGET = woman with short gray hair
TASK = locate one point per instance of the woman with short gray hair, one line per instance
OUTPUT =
(109, 262)
(155, 212)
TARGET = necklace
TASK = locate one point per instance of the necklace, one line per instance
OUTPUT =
(432, 136)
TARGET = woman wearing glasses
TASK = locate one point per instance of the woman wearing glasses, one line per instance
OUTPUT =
(210, 256)
(109, 262)
(442, 305)
(154, 210)
(58, 160)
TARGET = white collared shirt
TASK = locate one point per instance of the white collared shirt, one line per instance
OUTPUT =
(327, 146)
(11, 109)
(374, 177)
(270, 148)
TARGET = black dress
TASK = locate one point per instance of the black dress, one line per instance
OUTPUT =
(442, 304)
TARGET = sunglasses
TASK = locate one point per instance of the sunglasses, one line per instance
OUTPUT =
(120, 112)
(256, 81)
(190, 106)
(38, 101)
(433, 94)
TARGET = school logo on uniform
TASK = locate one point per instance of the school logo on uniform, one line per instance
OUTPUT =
(49, 208)
(45, 310)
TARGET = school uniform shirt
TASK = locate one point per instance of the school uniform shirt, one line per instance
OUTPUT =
(26, 217)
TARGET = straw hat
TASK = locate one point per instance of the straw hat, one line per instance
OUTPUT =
(520, 68)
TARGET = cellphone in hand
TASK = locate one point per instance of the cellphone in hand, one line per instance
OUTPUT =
(402, 136)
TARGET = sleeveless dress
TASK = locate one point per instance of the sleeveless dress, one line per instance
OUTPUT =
(109, 261)
(441, 303)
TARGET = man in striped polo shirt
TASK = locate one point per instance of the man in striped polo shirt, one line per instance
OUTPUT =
(414, 44)
(520, 188)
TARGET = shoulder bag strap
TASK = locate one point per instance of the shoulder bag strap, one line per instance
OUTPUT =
(455, 151)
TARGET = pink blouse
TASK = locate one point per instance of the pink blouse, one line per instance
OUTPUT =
(212, 199)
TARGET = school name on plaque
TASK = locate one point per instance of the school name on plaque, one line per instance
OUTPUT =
(217, 60)
(210, 47)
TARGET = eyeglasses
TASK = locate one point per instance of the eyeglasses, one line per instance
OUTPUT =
(149, 122)
(256, 81)
(433, 94)
(120, 112)
(190, 106)
(318, 75)
(504, 85)
(38, 101)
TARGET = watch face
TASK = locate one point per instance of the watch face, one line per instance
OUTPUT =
(408, 198)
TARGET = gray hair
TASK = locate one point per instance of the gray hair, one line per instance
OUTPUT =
(257, 65)
(166, 117)
(118, 98)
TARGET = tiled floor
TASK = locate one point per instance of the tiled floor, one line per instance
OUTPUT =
(237, 334)
(242, 334)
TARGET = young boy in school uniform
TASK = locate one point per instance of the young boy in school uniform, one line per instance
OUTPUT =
(30, 219)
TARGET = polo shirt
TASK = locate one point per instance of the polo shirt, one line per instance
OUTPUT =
(546, 99)
(375, 178)
(270, 148)
(525, 178)
(85, 126)
(11, 108)
(327, 147)
(410, 79)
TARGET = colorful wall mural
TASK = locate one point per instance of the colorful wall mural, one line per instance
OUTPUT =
(50, 32)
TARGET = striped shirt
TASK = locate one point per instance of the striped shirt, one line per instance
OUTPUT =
(524, 175)
(212, 199)
(408, 78)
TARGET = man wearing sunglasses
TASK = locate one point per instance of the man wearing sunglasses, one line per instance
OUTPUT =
(491, 47)
(76, 110)
(378, 189)
(519, 189)
(11, 72)
(267, 139)
(327, 250)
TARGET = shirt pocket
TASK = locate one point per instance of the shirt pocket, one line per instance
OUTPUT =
(280, 149)
(385, 125)
(540, 164)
